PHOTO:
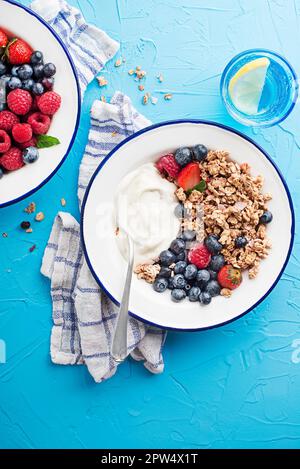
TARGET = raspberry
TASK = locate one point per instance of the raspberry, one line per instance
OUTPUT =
(22, 132)
(200, 256)
(49, 103)
(12, 159)
(8, 120)
(168, 166)
(39, 122)
(19, 101)
(5, 142)
(31, 143)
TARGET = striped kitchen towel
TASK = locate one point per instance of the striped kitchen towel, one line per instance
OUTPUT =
(83, 316)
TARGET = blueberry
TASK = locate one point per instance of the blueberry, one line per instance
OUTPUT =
(166, 258)
(180, 267)
(177, 246)
(165, 272)
(190, 272)
(200, 152)
(49, 70)
(217, 262)
(203, 278)
(5, 78)
(170, 284)
(25, 72)
(179, 281)
(213, 288)
(240, 242)
(28, 84)
(204, 298)
(25, 225)
(38, 89)
(183, 156)
(48, 83)
(38, 71)
(160, 284)
(30, 155)
(14, 83)
(187, 287)
(213, 274)
(266, 217)
(178, 294)
(14, 70)
(189, 235)
(182, 256)
(3, 68)
(194, 294)
(179, 211)
(36, 57)
(1, 173)
(212, 244)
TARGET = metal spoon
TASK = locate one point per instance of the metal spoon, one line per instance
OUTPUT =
(119, 343)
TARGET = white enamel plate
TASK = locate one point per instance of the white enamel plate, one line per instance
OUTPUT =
(17, 185)
(109, 267)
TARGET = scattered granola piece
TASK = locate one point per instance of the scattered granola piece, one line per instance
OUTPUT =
(141, 87)
(63, 202)
(154, 100)
(138, 68)
(4, 235)
(160, 78)
(102, 81)
(29, 230)
(131, 72)
(145, 99)
(147, 272)
(31, 208)
(114, 133)
(168, 96)
(226, 292)
(39, 216)
(118, 62)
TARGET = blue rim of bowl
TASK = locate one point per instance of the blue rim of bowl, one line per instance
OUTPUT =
(289, 66)
(41, 20)
(174, 122)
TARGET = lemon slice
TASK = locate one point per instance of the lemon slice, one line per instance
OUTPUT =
(246, 86)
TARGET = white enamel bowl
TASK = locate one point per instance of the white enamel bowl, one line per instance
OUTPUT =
(22, 22)
(107, 264)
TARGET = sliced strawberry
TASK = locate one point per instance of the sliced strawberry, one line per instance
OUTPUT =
(189, 176)
(18, 52)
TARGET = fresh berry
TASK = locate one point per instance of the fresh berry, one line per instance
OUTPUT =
(8, 120)
(27, 84)
(22, 133)
(165, 272)
(19, 101)
(179, 211)
(212, 244)
(240, 242)
(189, 235)
(194, 293)
(18, 52)
(38, 71)
(213, 288)
(205, 298)
(3, 39)
(203, 278)
(200, 256)
(180, 267)
(189, 176)
(179, 281)
(31, 143)
(30, 155)
(183, 156)
(48, 83)
(170, 283)
(230, 277)
(49, 70)
(213, 274)
(49, 103)
(266, 217)
(5, 142)
(25, 72)
(200, 152)
(182, 256)
(36, 57)
(160, 284)
(167, 166)
(187, 287)
(5, 79)
(12, 159)
(38, 89)
(14, 83)
(178, 294)
(39, 122)
(217, 262)
(190, 272)
(166, 258)
(14, 70)
(177, 245)
(3, 67)
(25, 225)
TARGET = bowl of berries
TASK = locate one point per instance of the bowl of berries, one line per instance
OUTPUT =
(39, 102)
(210, 216)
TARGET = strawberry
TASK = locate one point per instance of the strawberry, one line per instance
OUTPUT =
(3, 40)
(168, 166)
(230, 277)
(200, 256)
(18, 52)
(189, 176)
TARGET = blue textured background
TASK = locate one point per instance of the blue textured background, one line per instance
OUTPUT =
(231, 387)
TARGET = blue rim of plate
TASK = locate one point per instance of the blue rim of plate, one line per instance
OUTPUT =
(289, 66)
(41, 20)
(174, 122)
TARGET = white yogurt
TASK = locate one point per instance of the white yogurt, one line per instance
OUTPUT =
(144, 207)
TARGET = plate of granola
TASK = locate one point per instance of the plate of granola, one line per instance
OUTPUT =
(210, 215)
